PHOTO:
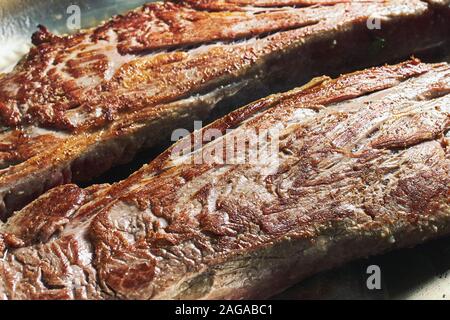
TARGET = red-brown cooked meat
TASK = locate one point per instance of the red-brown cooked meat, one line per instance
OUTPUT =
(362, 167)
(79, 104)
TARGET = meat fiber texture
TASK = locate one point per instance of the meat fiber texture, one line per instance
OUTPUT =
(362, 167)
(79, 104)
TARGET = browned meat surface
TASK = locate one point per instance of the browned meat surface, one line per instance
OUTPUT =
(362, 167)
(79, 104)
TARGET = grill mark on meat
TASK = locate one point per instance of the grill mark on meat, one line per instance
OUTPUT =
(179, 230)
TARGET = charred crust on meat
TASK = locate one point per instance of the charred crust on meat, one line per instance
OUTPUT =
(366, 172)
(43, 35)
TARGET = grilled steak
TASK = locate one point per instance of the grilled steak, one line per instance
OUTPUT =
(79, 104)
(362, 166)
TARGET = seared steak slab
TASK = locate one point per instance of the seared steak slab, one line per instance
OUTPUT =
(362, 167)
(79, 104)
